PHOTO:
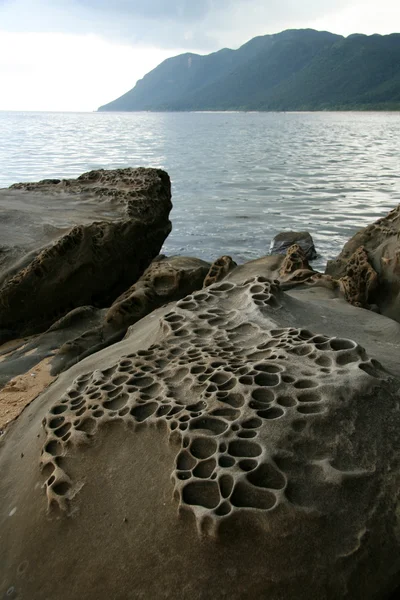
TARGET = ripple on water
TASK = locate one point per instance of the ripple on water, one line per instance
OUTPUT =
(238, 178)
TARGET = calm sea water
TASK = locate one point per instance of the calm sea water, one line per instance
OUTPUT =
(238, 178)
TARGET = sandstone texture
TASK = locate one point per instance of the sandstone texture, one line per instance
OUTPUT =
(236, 444)
(369, 266)
(282, 242)
(78, 242)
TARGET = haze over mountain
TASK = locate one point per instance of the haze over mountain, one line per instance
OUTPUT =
(293, 70)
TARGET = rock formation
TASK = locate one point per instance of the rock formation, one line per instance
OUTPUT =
(369, 266)
(79, 242)
(165, 280)
(229, 447)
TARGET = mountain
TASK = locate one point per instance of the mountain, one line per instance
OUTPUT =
(297, 69)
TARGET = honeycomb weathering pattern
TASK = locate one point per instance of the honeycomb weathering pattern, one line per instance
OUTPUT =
(230, 390)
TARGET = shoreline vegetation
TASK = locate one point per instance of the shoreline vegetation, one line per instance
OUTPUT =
(243, 418)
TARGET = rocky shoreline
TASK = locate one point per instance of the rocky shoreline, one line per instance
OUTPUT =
(179, 414)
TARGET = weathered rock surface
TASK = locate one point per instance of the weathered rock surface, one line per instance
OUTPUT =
(219, 269)
(165, 280)
(370, 266)
(77, 242)
(280, 434)
(282, 242)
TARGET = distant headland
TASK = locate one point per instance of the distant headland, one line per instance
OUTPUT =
(297, 69)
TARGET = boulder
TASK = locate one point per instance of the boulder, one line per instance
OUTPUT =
(77, 242)
(236, 444)
(369, 266)
(282, 242)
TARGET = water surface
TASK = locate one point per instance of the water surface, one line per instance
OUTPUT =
(238, 178)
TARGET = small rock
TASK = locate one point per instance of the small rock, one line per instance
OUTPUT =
(282, 242)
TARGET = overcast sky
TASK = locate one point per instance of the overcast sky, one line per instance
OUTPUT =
(80, 54)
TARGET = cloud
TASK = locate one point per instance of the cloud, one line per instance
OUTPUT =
(201, 25)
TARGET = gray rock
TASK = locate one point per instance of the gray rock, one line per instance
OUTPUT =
(77, 242)
(282, 242)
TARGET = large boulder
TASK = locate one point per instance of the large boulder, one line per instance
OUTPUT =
(235, 445)
(77, 242)
(369, 266)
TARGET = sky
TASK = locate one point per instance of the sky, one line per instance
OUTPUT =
(75, 55)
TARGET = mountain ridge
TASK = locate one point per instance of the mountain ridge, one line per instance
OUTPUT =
(296, 69)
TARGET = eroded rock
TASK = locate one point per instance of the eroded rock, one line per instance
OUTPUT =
(76, 242)
(165, 280)
(374, 249)
(221, 434)
(219, 269)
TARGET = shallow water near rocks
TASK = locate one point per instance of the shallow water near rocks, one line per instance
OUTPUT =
(238, 178)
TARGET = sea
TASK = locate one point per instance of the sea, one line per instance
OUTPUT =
(238, 178)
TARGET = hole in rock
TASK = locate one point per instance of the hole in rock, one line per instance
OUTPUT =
(267, 476)
(268, 368)
(224, 509)
(61, 488)
(184, 475)
(263, 395)
(163, 410)
(345, 358)
(252, 423)
(77, 403)
(61, 431)
(271, 413)
(226, 461)
(210, 424)
(201, 493)
(226, 485)
(341, 344)
(53, 448)
(256, 289)
(244, 448)
(266, 379)
(323, 361)
(205, 469)
(196, 370)
(251, 497)
(184, 461)
(286, 401)
(234, 400)
(98, 413)
(248, 464)
(246, 380)
(144, 411)
(197, 407)
(57, 410)
(308, 397)
(247, 434)
(303, 384)
(223, 287)
(116, 403)
(203, 447)
(227, 413)
(54, 423)
(47, 470)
